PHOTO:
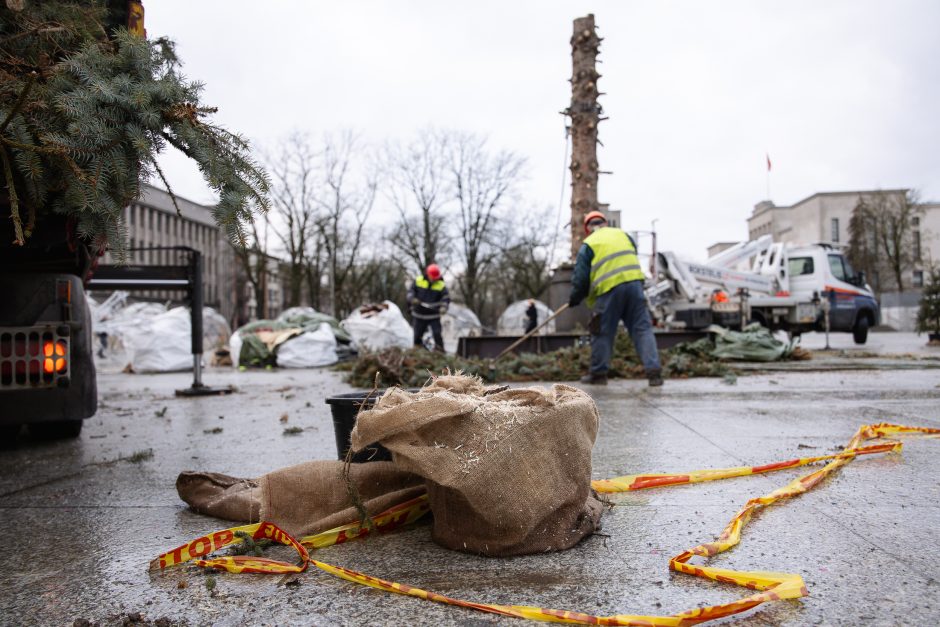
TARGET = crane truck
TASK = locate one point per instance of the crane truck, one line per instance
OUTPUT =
(795, 288)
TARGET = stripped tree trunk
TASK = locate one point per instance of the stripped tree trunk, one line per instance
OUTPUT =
(584, 112)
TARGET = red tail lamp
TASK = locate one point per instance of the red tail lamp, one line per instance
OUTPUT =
(55, 357)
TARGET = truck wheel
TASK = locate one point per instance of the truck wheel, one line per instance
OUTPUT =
(860, 330)
(55, 430)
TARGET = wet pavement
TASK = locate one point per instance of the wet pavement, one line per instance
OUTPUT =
(85, 517)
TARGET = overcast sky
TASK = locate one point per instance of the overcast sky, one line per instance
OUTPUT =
(842, 95)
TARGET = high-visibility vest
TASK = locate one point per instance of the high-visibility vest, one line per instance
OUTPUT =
(614, 262)
(423, 283)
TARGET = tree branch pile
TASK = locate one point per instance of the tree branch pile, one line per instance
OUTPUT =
(84, 112)
(413, 367)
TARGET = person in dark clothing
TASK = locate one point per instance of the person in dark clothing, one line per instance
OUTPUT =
(607, 272)
(429, 300)
(531, 317)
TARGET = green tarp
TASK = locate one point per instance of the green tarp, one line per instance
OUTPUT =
(754, 343)
(310, 320)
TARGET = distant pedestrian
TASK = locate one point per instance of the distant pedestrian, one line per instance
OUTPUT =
(531, 317)
(429, 300)
(608, 273)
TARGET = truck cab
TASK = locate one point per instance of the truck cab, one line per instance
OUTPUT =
(822, 272)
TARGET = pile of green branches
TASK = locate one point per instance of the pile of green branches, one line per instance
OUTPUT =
(413, 367)
(84, 111)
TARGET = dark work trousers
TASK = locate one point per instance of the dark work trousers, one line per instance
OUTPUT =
(625, 302)
(421, 325)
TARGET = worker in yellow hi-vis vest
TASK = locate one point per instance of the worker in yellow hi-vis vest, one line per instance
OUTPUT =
(429, 300)
(607, 273)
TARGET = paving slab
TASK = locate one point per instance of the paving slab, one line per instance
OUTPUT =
(86, 519)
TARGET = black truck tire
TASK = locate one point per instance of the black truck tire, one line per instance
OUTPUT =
(860, 330)
(55, 429)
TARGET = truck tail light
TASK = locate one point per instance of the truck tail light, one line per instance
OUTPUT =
(56, 355)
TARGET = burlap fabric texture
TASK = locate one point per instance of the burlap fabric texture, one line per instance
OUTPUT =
(508, 472)
(304, 499)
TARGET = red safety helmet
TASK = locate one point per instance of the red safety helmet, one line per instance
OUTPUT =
(433, 272)
(593, 216)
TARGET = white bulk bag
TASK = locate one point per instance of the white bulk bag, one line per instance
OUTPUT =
(309, 349)
(162, 343)
(378, 330)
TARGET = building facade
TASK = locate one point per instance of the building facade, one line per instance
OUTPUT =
(824, 218)
(152, 222)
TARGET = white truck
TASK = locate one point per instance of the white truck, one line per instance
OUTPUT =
(795, 288)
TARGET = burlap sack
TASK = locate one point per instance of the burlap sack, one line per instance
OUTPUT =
(507, 473)
(302, 499)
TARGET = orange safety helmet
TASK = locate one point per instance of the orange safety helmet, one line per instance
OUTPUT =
(593, 216)
(433, 272)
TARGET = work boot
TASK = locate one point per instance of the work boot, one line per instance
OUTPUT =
(655, 378)
(595, 378)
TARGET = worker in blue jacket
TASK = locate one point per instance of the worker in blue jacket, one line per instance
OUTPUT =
(607, 273)
(429, 300)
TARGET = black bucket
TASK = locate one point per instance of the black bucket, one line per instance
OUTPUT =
(345, 408)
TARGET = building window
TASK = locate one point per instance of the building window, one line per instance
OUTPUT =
(835, 230)
(916, 246)
(918, 278)
(915, 221)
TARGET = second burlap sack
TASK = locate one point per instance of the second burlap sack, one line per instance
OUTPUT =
(508, 472)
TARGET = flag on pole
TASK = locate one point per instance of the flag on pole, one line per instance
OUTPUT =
(768, 161)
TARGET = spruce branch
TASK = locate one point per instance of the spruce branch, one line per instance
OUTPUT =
(169, 190)
(57, 150)
(14, 201)
(30, 79)
(82, 140)
(39, 30)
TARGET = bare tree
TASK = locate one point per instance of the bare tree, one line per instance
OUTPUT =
(346, 202)
(382, 275)
(882, 236)
(527, 256)
(419, 189)
(522, 268)
(253, 257)
(484, 185)
(293, 171)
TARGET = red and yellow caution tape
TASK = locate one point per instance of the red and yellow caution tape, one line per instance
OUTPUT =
(770, 586)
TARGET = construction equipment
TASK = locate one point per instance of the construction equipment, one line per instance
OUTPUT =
(786, 287)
